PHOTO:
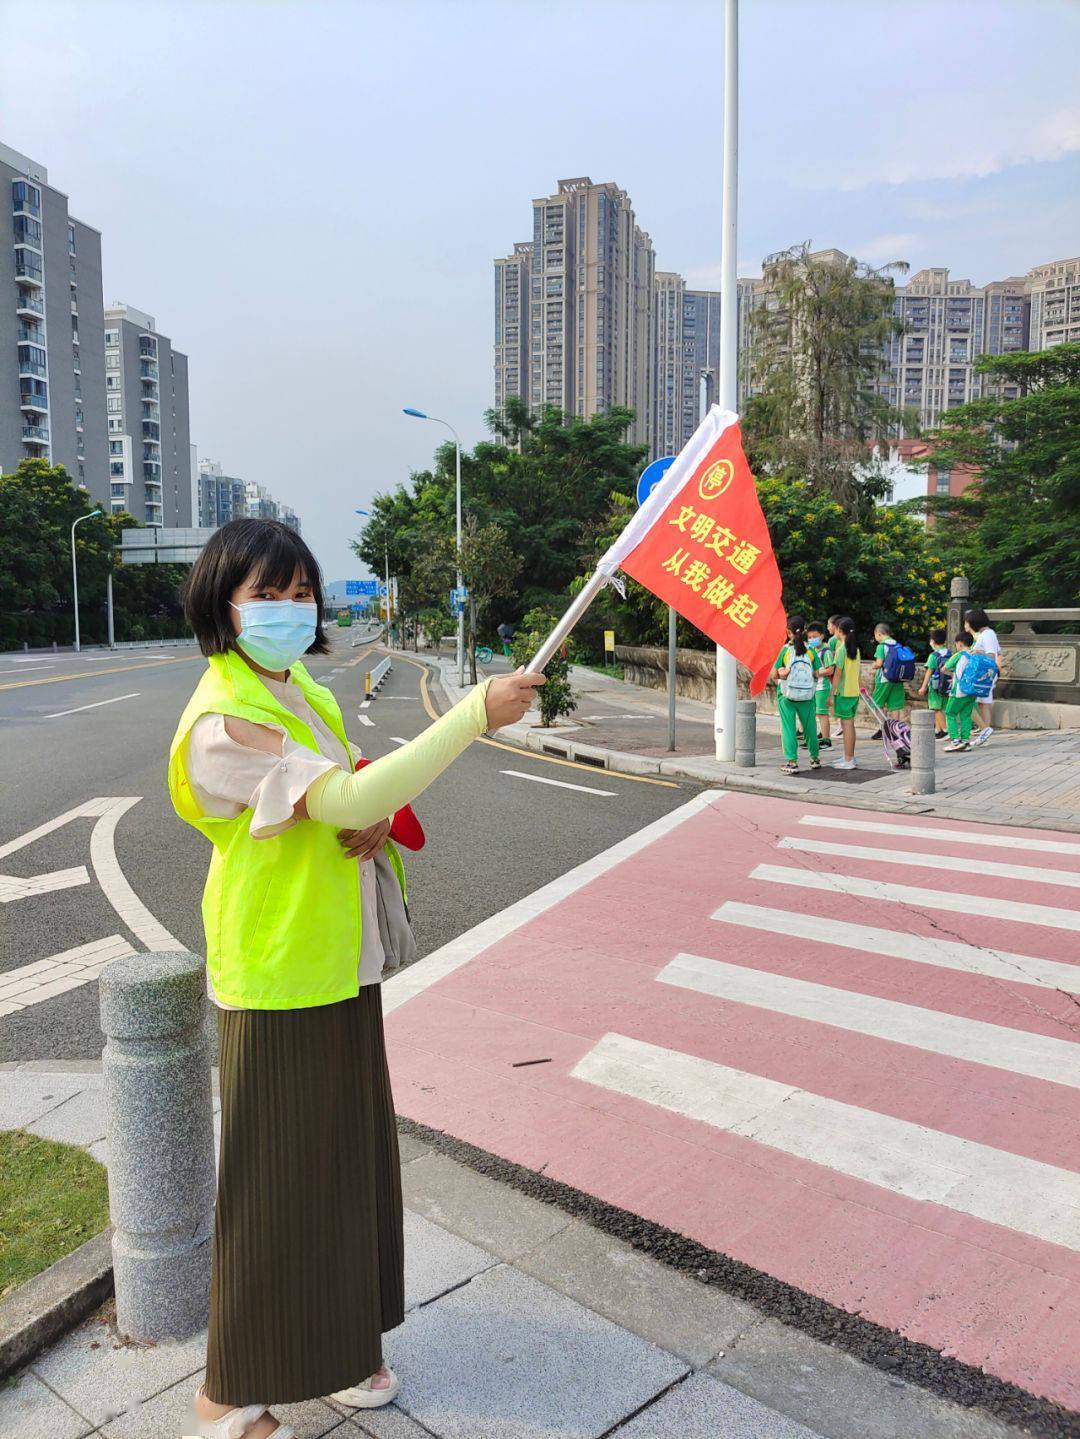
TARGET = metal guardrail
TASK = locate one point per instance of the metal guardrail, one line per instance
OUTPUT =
(374, 678)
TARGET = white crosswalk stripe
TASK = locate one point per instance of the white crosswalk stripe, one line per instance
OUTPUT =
(989, 906)
(945, 953)
(925, 860)
(908, 1159)
(1021, 842)
(1038, 1055)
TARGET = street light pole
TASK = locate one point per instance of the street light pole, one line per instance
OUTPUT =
(75, 574)
(422, 415)
(727, 382)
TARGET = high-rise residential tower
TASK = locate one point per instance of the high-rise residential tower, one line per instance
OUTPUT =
(1055, 303)
(687, 353)
(146, 399)
(512, 324)
(52, 365)
(590, 343)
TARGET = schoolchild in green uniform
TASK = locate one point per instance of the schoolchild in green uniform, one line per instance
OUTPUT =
(834, 644)
(796, 668)
(935, 696)
(847, 669)
(959, 708)
(888, 694)
(817, 639)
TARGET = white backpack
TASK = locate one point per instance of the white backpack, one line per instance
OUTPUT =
(800, 680)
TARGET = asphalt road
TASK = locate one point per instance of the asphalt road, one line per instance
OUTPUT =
(80, 728)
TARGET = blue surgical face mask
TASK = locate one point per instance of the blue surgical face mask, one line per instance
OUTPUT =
(275, 633)
(815, 640)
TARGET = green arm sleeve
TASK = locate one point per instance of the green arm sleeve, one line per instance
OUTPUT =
(355, 801)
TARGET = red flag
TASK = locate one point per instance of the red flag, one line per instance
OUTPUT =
(700, 542)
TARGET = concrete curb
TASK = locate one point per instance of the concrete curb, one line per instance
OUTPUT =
(45, 1307)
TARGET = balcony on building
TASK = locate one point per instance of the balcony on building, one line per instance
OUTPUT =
(34, 400)
(27, 302)
(35, 434)
(25, 199)
(151, 431)
(148, 369)
(147, 348)
(30, 334)
(28, 270)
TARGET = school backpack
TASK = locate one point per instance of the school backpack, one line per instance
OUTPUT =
(977, 676)
(800, 680)
(898, 664)
(940, 677)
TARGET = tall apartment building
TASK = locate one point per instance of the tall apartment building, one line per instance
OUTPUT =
(225, 497)
(590, 343)
(512, 324)
(146, 398)
(1055, 303)
(687, 352)
(52, 364)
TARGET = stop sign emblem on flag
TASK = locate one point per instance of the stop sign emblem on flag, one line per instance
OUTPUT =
(700, 542)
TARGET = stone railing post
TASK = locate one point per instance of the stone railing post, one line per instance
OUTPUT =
(959, 602)
(923, 753)
(158, 1109)
(745, 733)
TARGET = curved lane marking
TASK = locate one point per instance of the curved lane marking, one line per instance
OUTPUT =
(115, 885)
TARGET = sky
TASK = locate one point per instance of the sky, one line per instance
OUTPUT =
(308, 196)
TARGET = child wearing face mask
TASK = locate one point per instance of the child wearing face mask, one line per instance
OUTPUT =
(307, 1258)
(821, 644)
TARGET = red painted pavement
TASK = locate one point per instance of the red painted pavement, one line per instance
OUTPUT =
(554, 986)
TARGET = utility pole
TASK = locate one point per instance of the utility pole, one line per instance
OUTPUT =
(727, 380)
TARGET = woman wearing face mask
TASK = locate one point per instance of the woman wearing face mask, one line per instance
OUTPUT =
(307, 1272)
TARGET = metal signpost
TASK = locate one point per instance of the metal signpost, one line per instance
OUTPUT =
(647, 480)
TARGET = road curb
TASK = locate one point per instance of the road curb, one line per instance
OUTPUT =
(54, 1301)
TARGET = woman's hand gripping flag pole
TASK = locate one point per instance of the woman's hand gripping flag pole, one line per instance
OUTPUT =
(701, 544)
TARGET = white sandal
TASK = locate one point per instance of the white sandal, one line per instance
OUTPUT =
(236, 1424)
(363, 1396)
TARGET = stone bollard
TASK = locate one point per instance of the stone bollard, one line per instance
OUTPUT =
(745, 733)
(922, 752)
(158, 1108)
(959, 603)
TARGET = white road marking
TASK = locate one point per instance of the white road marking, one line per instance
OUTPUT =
(1038, 1055)
(31, 983)
(14, 887)
(396, 739)
(114, 882)
(559, 783)
(408, 983)
(986, 906)
(925, 860)
(91, 809)
(23, 660)
(909, 1159)
(952, 836)
(364, 704)
(365, 720)
(944, 953)
(598, 719)
(96, 705)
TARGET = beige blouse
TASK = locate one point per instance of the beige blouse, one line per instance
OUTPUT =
(229, 776)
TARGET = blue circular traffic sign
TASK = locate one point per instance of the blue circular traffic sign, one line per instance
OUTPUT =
(651, 476)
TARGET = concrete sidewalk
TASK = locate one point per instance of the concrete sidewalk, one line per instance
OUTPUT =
(1024, 777)
(523, 1322)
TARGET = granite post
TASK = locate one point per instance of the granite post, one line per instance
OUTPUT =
(159, 1126)
(745, 734)
(922, 752)
(959, 604)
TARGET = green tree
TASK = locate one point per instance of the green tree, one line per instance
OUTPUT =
(556, 697)
(819, 349)
(1016, 531)
(488, 570)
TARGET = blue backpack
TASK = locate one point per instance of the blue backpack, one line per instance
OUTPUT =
(940, 677)
(899, 663)
(977, 676)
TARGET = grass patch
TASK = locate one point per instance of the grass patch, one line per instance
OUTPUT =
(615, 671)
(53, 1197)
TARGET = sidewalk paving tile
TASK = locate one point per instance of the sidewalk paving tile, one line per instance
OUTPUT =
(436, 1261)
(507, 1358)
(30, 1410)
(838, 1395)
(477, 1208)
(79, 1120)
(691, 1320)
(388, 1423)
(703, 1408)
(102, 1377)
(410, 1148)
(25, 1097)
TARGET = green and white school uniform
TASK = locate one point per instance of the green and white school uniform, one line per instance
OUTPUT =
(958, 708)
(846, 681)
(937, 657)
(888, 694)
(824, 684)
(801, 710)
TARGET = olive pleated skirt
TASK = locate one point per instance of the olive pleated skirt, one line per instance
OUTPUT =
(308, 1249)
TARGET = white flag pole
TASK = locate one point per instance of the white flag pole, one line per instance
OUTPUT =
(727, 386)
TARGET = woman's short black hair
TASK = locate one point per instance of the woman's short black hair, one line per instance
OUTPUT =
(266, 548)
(977, 619)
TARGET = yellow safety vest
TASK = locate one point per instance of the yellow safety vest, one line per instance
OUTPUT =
(282, 915)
